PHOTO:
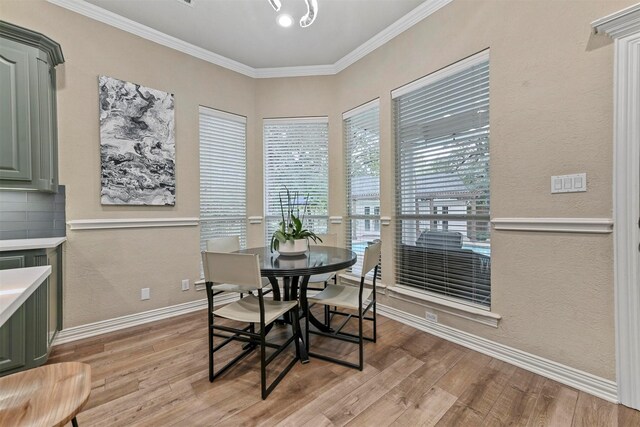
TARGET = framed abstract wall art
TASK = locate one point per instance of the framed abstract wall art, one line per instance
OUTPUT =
(137, 144)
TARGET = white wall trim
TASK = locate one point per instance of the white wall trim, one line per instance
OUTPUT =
(301, 71)
(335, 219)
(385, 220)
(555, 225)
(102, 15)
(424, 10)
(105, 326)
(255, 219)
(102, 224)
(619, 24)
(584, 381)
(106, 17)
(624, 27)
(444, 305)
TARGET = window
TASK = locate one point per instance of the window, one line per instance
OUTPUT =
(223, 170)
(361, 128)
(296, 156)
(443, 240)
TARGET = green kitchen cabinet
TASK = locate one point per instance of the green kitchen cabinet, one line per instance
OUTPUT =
(28, 118)
(26, 338)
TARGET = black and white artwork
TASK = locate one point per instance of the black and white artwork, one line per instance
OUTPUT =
(137, 144)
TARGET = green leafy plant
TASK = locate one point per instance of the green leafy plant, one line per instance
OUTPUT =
(291, 226)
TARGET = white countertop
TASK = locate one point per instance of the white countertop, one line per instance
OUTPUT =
(26, 244)
(16, 285)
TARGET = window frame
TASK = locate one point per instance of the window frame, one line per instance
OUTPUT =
(442, 216)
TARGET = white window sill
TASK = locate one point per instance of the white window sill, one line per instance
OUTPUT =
(444, 305)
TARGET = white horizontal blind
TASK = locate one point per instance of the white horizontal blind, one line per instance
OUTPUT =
(442, 177)
(361, 128)
(296, 156)
(223, 172)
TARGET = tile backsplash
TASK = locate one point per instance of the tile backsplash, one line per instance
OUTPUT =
(30, 214)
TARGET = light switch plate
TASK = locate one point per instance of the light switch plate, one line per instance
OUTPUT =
(569, 183)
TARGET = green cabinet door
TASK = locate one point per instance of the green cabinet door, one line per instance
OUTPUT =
(13, 332)
(15, 128)
(28, 129)
(12, 343)
(26, 338)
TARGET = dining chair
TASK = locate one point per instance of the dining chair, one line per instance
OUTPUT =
(241, 273)
(353, 298)
(230, 244)
(318, 282)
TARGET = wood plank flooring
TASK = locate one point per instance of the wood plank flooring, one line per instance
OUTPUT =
(156, 375)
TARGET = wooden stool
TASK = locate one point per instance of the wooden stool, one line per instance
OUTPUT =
(51, 395)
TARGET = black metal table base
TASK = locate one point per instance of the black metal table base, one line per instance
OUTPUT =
(290, 293)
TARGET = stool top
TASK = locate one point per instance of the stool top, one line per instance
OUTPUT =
(50, 395)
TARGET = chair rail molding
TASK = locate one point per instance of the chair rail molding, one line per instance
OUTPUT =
(624, 28)
(102, 224)
(255, 219)
(555, 225)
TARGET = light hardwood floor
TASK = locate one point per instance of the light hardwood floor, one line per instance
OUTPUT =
(156, 375)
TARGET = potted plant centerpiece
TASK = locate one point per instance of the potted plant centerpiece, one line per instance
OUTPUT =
(291, 238)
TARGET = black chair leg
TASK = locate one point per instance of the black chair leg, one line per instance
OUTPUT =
(360, 339)
(74, 422)
(263, 364)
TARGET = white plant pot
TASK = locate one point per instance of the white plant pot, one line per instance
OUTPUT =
(293, 248)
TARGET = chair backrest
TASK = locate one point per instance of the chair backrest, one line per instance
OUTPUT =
(223, 244)
(330, 239)
(371, 257)
(241, 270)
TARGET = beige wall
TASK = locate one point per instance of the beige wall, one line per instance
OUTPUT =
(105, 269)
(551, 114)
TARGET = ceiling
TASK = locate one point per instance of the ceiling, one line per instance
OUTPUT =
(246, 31)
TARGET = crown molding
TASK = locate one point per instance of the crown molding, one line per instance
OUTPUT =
(35, 39)
(619, 24)
(302, 71)
(401, 25)
(106, 17)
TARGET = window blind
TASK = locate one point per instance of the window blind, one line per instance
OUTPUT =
(443, 240)
(361, 127)
(223, 171)
(296, 156)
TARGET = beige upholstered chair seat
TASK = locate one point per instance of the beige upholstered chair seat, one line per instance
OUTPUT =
(248, 310)
(340, 296)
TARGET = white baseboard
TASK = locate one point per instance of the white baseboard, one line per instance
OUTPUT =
(597, 386)
(104, 326)
(584, 381)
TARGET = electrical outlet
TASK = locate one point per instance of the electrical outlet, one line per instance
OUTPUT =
(185, 285)
(432, 317)
(145, 293)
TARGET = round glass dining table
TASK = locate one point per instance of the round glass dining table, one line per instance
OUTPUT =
(295, 272)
